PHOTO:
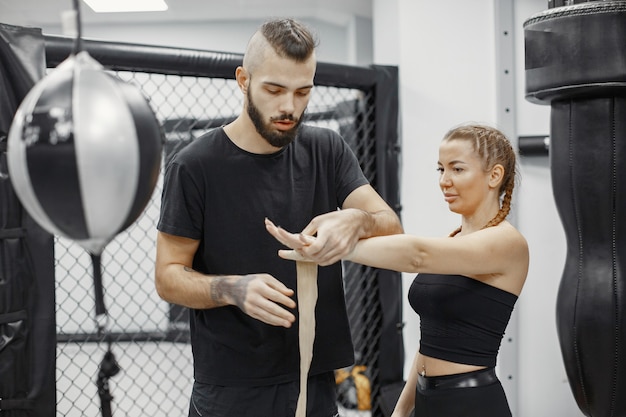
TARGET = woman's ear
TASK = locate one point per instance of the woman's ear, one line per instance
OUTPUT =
(496, 176)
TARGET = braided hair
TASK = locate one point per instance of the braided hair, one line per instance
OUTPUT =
(493, 148)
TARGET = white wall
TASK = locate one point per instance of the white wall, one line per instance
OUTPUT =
(447, 59)
(446, 77)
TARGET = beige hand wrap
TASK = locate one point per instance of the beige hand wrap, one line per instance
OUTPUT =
(307, 298)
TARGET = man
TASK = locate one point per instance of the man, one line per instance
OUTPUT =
(215, 256)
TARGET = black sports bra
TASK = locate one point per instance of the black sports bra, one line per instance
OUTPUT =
(462, 319)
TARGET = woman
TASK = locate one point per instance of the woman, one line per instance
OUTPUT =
(467, 284)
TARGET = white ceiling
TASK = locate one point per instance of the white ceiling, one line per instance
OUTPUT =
(41, 13)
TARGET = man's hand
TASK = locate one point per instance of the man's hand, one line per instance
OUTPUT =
(336, 233)
(333, 236)
(326, 239)
(334, 241)
(260, 296)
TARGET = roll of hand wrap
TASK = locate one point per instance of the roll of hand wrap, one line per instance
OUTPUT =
(307, 298)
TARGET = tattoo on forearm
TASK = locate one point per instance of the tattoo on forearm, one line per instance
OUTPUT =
(218, 290)
(221, 288)
(239, 291)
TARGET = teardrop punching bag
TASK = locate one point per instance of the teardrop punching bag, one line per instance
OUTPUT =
(84, 152)
(576, 63)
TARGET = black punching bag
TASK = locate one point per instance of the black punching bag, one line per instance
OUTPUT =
(576, 63)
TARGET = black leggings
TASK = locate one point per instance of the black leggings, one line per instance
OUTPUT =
(480, 395)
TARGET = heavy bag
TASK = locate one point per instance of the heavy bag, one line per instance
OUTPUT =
(578, 67)
(84, 152)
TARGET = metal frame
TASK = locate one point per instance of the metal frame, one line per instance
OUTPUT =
(504, 26)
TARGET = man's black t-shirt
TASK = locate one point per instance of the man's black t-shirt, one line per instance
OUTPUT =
(220, 194)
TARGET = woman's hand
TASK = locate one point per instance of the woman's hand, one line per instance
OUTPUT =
(295, 241)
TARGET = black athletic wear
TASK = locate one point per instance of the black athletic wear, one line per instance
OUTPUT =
(220, 194)
(437, 396)
(462, 319)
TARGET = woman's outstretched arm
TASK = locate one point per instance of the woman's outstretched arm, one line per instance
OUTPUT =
(487, 251)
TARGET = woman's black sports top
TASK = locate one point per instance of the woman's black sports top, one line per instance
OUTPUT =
(462, 319)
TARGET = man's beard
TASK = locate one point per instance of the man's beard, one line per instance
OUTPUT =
(276, 138)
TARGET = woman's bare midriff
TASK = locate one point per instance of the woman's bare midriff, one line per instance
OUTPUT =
(428, 366)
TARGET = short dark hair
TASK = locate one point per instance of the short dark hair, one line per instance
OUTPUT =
(289, 38)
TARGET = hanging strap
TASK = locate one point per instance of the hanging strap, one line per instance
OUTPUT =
(99, 291)
(108, 368)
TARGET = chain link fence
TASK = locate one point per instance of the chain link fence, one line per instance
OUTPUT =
(150, 338)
